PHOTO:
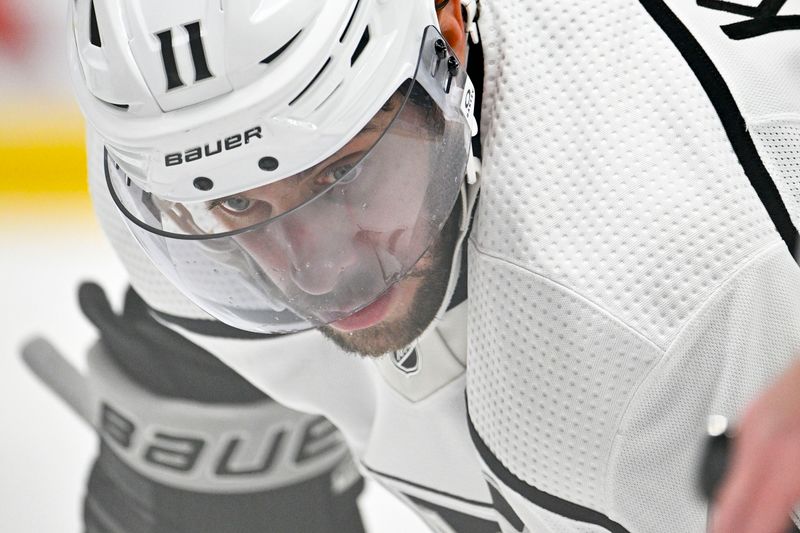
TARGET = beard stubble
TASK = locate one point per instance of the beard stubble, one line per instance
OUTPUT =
(397, 333)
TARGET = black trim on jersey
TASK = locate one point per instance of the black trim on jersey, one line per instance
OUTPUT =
(429, 489)
(747, 29)
(458, 521)
(764, 18)
(765, 9)
(729, 114)
(502, 506)
(546, 501)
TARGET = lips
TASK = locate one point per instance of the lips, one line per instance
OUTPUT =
(369, 315)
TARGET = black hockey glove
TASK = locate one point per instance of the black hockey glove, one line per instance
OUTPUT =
(187, 445)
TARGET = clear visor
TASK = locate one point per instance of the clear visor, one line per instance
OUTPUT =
(318, 246)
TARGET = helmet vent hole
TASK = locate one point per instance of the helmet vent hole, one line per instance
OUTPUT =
(94, 30)
(203, 184)
(273, 56)
(268, 163)
(360, 47)
(311, 83)
(349, 22)
(122, 107)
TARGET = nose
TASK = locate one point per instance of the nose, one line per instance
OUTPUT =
(318, 254)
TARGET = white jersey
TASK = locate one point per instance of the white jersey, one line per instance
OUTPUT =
(626, 278)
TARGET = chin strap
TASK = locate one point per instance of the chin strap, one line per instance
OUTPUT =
(468, 198)
(473, 170)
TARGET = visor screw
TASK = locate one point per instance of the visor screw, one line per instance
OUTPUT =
(452, 65)
(440, 47)
(203, 184)
(268, 164)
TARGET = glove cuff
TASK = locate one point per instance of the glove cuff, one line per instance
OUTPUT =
(202, 447)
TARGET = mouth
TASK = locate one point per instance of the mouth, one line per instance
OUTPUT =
(367, 316)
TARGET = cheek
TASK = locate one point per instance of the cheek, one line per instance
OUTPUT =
(396, 195)
(266, 255)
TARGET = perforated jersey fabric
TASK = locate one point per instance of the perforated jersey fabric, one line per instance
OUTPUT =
(551, 375)
(609, 171)
(779, 142)
(734, 347)
(626, 279)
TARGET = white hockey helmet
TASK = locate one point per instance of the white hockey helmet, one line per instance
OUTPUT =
(283, 162)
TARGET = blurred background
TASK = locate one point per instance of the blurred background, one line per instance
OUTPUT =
(49, 242)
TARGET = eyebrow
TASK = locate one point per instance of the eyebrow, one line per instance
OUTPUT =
(366, 129)
(388, 107)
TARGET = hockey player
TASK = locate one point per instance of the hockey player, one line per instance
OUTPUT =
(297, 165)
(404, 418)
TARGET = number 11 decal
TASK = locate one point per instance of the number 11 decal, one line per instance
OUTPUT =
(201, 71)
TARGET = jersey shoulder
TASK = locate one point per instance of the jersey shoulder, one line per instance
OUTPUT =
(628, 259)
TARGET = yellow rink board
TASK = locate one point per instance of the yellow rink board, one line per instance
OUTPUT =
(41, 150)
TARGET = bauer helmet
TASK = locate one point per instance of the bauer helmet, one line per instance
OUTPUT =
(282, 162)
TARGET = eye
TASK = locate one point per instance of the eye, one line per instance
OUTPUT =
(236, 204)
(240, 211)
(339, 173)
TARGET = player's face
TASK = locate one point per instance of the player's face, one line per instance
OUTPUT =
(353, 246)
(403, 312)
